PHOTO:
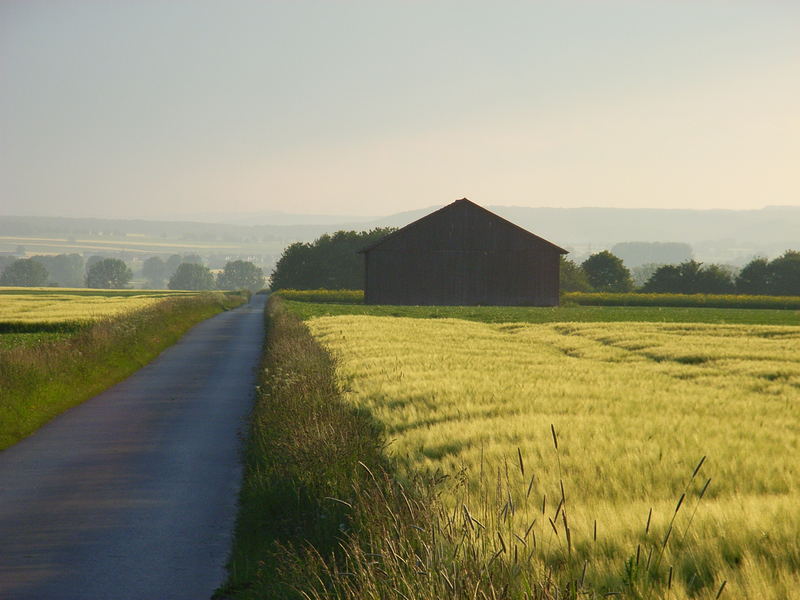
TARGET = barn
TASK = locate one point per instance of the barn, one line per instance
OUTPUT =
(462, 254)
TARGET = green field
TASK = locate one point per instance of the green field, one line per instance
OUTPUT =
(636, 406)
(526, 314)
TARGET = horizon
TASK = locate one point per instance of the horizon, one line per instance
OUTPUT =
(350, 219)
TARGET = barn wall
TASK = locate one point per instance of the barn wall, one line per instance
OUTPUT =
(462, 256)
(462, 278)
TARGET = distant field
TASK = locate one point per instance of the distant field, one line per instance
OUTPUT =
(135, 244)
(636, 406)
(32, 310)
(572, 313)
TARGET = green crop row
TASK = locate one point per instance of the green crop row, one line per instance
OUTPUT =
(331, 296)
(682, 300)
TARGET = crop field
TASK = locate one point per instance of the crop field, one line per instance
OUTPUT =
(530, 314)
(623, 501)
(40, 310)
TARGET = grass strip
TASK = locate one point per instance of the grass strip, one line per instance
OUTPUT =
(38, 382)
(302, 458)
(591, 299)
(562, 314)
(683, 300)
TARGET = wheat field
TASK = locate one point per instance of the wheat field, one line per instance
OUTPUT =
(49, 305)
(636, 407)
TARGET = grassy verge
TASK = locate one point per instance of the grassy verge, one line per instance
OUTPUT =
(302, 459)
(39, 381)
(565, 314)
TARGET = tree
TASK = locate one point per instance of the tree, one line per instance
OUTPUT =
(191, 276)
(606, 273)
(109, 273)
(690, 277)
(66, 270)
(572, 277)
(92, 261)
(755, 277)
(173, 262)
(240, 274)
(330, 262)
(24, 272)
(785, 271)
(154, 270)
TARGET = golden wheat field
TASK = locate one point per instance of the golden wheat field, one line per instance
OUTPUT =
(636, 406)
(49, 305)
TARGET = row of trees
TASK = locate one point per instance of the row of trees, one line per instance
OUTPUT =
(605, 272)
(330, 261)
(113, 273)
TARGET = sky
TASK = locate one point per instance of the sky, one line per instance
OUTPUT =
(153, 109)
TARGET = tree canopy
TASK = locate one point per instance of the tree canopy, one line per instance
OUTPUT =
(241, 275)
(606, 273)
(779, 277)
(24, 272)
(573, 277)
(329, 262)
(109, 273)
(690, 277)
(66, 270)
(154, 270)
(191, 276)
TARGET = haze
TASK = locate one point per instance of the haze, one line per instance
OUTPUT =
(165, 109)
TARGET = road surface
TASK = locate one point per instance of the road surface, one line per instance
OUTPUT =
(132, 495)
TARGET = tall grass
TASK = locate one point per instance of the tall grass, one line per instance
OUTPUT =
(302, 460)
(39, 381)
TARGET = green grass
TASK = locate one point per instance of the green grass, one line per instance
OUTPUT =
(302, 460)
(581, 314)
(687, 300)
(27, 340)
(42, 376)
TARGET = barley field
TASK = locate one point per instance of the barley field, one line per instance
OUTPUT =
(672, 469)
(41, 309)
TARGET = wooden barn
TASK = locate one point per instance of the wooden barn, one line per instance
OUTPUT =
(462, 254)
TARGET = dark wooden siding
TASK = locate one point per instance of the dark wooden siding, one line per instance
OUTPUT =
(462, 255)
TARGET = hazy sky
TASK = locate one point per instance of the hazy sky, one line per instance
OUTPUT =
(159, 108)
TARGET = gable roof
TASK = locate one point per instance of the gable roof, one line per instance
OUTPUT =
(472, 205)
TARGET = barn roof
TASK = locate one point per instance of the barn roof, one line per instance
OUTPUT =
(472, 205)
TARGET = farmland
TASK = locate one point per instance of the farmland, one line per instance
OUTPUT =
(635, 406)
(59, 347)
(54, 309)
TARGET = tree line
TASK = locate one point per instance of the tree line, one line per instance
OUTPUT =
(332, 262)
(177, 273)
(605, 272)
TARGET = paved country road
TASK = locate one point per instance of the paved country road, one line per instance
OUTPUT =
(132, 495)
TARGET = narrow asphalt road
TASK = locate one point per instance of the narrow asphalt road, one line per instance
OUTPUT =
(132, 495)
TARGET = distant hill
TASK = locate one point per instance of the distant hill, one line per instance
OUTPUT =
(715, 235)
